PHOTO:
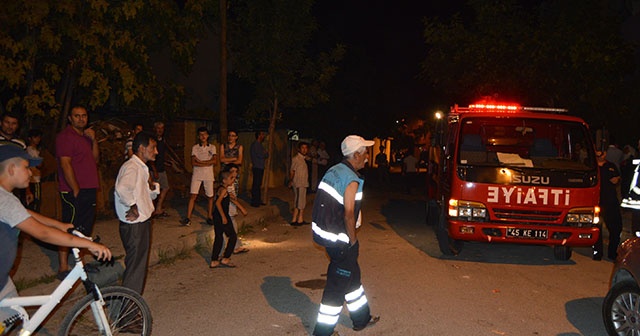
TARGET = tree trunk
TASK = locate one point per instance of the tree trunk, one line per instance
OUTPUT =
(65, 99)
(270, 146)
(223, 71)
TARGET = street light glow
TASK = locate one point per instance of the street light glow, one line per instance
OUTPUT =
(438, 115)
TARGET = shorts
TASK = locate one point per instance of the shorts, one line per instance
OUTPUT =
(163, 180)
(299, 197)
(8, 291)
(80, 211)
(207, 184)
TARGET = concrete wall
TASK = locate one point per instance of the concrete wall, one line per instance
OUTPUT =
(279, 155)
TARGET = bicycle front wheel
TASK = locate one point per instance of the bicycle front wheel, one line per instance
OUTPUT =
(126, 310)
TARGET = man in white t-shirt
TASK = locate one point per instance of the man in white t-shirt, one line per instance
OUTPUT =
(203, 157)
(410, 170)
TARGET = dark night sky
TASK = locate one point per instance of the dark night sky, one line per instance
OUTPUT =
(385, 46)
(380, 73)
(378, 80)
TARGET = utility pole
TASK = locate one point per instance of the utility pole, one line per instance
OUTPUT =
(223, 71)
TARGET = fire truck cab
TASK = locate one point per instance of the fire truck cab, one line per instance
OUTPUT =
(514, 174)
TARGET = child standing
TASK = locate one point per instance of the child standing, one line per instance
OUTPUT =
(222, 224)
(235, 205)
(203, 157)
(299, 181)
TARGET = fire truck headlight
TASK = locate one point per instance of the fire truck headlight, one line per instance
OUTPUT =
(586, 218)
(464, 212)
(573, 218)
(583, 217)
(479, 212)
(468, 210)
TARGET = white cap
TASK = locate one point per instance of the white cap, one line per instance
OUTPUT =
(352, 143)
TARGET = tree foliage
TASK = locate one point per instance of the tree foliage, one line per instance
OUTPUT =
(567, 53)
(53, 53)
(269, 48)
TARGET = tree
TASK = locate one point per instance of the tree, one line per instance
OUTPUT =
(55, 53)
(556, 53)
(269, 48)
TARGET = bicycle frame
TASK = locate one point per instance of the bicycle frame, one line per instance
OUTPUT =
(48, 302)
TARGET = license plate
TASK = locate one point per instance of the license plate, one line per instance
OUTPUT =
(527, 233)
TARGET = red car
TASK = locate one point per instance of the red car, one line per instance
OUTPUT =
(621, 307)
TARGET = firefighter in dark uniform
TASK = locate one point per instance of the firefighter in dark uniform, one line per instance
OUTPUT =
(610, 207)
(336, 215)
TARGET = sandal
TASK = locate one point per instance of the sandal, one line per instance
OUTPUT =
(212, 265)
(226, 265)
(241, 250)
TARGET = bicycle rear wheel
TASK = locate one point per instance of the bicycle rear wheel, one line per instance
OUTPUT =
(126, 310)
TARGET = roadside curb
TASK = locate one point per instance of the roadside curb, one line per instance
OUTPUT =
(37, 261)
(202, 235)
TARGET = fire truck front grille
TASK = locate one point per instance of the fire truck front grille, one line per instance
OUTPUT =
(527, 215)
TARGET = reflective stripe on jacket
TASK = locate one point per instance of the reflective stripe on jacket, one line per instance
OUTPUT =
(633, 201)
(328, 225)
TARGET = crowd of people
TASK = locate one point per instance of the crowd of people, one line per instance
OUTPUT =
(142, 184)
(76, 150)
(141, 188)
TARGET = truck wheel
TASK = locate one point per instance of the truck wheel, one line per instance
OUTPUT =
(562, 252)
(447, 245)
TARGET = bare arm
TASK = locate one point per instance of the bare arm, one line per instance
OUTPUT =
(69, 174)
(89, 132)
(222, 192)
(50, 222)
(349, 211)
(238, 160)
(224, 159)
(292, 173)
(53, 236)
(239, 206)
(197, 163)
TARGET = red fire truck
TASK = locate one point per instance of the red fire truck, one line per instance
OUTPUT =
(515, 174)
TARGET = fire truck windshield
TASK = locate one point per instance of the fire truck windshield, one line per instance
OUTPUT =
(525, 143)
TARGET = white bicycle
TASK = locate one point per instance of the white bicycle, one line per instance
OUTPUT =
(113, 310)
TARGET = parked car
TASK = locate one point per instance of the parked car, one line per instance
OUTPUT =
(621, 307)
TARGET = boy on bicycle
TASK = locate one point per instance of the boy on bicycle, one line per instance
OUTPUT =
(14, 218)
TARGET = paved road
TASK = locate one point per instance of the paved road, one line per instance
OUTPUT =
(487, 290)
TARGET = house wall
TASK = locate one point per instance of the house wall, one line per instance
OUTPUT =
(279, 155)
